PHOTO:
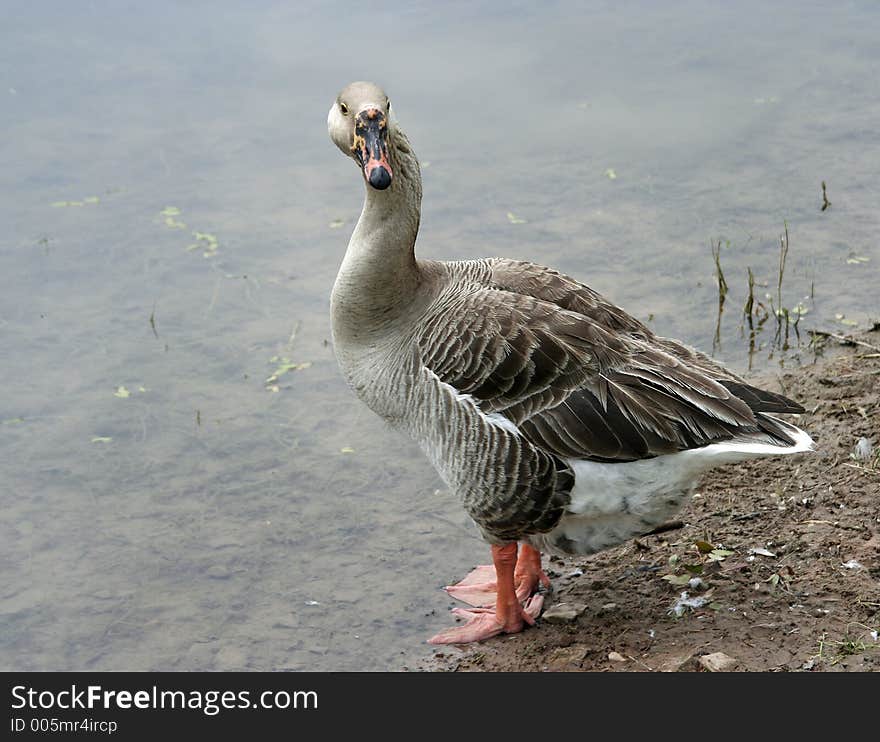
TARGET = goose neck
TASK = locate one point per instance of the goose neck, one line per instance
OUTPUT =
(380, 275)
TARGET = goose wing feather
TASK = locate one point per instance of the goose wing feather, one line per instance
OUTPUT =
(577, 375)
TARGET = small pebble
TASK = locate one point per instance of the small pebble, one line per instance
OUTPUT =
(718, 662)
(616, 657)
(564, 612)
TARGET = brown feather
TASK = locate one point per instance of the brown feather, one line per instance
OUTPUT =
(580, 377)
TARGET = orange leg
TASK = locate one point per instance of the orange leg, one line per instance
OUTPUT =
(480, 587)
(528, 573)
(509, 615)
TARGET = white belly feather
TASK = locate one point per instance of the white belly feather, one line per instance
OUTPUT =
(613, 502)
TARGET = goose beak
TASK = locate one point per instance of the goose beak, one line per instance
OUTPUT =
(370, 148)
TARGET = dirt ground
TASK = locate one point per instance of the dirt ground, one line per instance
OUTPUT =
(786, 552)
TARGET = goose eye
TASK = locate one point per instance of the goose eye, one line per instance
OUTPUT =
(344, 109)
(387, 104)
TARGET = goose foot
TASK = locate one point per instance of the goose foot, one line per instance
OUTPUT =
(484, 623)
(515, 579)
(480, 587)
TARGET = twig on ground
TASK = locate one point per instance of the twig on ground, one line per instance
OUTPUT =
(846, 339)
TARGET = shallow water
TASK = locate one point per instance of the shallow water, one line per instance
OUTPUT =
(205, 521)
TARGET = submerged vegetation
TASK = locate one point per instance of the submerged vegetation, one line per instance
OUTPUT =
(761, 306)
(757, 310)
(825, 202)
(722, 291)
(204, 241)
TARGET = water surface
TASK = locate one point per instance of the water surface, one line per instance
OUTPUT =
(198, 519)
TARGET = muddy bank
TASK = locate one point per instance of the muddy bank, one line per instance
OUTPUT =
(779, 559)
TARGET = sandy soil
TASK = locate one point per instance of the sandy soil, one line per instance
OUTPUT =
(792, 581)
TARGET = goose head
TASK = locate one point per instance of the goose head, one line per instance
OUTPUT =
(359, 123)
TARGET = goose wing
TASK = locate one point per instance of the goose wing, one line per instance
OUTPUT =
(577, 375)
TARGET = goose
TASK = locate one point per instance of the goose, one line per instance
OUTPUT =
(563, 424)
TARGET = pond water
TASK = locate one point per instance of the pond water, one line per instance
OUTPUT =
(173, 217)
